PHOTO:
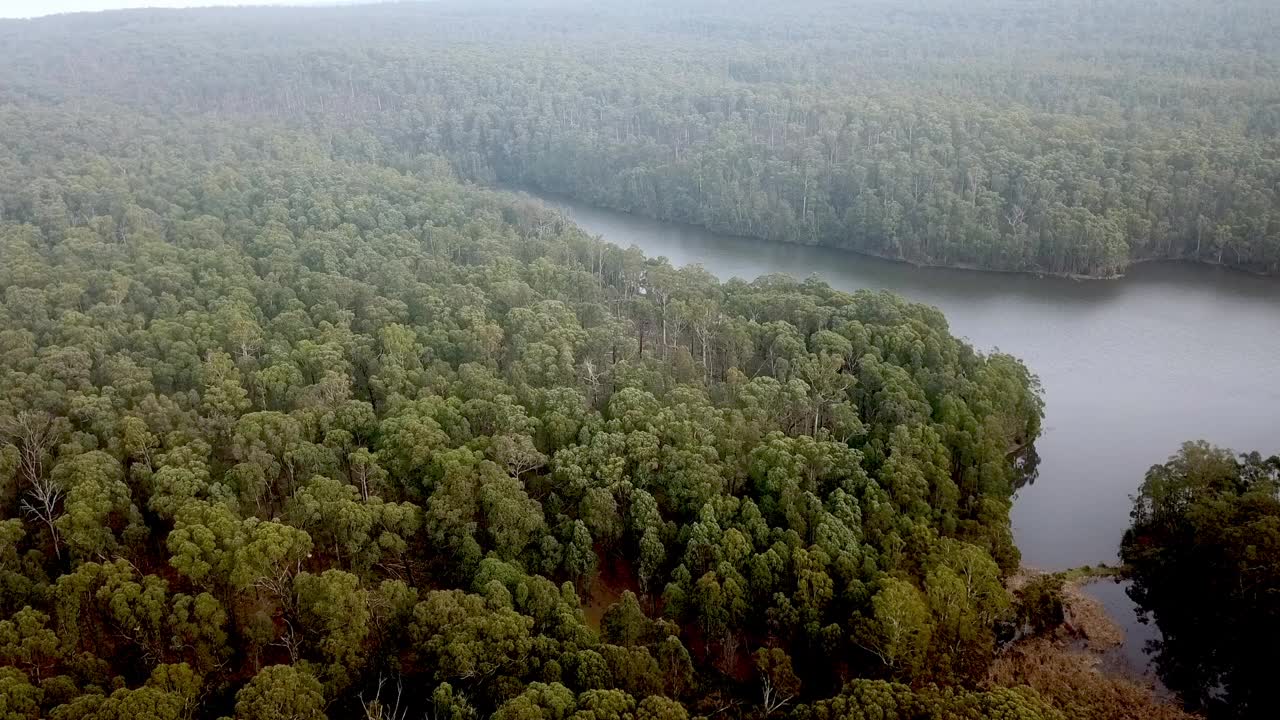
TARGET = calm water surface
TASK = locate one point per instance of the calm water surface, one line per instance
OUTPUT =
(1130, 368)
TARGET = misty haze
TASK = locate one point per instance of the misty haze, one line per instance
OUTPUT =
(570, 360)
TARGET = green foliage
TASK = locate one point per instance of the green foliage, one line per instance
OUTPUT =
(1041, 605)
(171, 693)
(27, 643)
(19, 699)
(98, 504)
(280, 692)
(539, 702)
(899, 628)
(625, 623)
(334, 611)
(879, 700)
(1203, 555)
(460, 636)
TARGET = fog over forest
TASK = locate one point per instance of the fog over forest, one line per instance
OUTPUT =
(307, 411)
(38, 8)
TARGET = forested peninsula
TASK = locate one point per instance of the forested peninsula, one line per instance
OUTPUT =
(1051, 137)
(287, 430)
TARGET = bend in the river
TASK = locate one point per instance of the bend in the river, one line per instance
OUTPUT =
(1131, 368)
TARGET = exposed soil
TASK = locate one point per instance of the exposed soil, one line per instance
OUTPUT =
(614, 577)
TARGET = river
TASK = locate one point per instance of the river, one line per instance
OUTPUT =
(1131, 368)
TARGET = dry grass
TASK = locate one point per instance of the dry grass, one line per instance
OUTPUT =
(1066, 666)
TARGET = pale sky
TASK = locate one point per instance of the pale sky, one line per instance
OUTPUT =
(36, 8)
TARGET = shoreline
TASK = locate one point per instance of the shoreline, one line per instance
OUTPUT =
(542, 195)
(1078, 663)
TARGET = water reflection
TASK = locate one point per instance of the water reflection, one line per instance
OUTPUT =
(1141, 638)
(1026, 463)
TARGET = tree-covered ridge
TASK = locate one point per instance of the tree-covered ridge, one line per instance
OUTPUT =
(283, 429)
(1204, 557)
(1058, 137)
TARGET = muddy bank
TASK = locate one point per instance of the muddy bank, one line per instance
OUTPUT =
(1078, 665)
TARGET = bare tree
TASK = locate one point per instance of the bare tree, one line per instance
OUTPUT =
(772, 700)
(778, 682)
(35, 434)
(378, 709)
(290, 642)
(41, 504)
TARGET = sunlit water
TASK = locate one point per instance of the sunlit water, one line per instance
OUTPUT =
(1130, 368)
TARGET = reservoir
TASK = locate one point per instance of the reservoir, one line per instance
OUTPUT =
(1131, 368)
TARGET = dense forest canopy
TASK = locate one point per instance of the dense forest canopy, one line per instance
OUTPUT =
(1204, 556)
(280, 423)
(1060, 137)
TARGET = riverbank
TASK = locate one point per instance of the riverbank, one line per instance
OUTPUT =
(543, 195)
(1081, 277)
(969, 267)
(1078, 665)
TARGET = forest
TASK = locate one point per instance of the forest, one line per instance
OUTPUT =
(285, 430)
(1071, 138)
(302, 418)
